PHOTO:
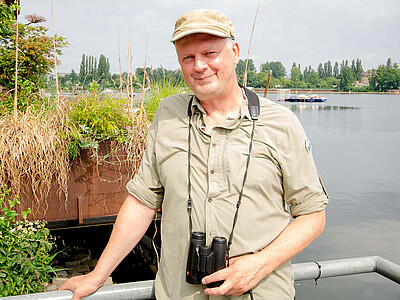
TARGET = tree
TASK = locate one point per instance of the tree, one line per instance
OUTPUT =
(336, 71)
(295, 76)
(329, 69)
(389, 63)
(74, 77)
(35, 59)
(82, 70)
(386, 77)
(278, 70)
(353, 68)
(103, 69)
(240, 70)
(320, 71)
(346, 78)
(359, 70)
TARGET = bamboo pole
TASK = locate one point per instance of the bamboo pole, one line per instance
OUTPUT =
(119, 63)
(16, 70)
(55, 54)
(269, 79)
(248, 52)
(144, 82)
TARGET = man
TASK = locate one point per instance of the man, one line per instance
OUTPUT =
(281, 172)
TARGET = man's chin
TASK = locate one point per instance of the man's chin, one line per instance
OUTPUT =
(204, 89)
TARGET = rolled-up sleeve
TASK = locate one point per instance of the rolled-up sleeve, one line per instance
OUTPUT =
(146, 185)
(302, 188)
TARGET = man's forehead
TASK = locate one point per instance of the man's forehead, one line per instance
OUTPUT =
(199, 38)
(190, 45)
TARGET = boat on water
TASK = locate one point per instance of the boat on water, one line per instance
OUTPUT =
(305, 98)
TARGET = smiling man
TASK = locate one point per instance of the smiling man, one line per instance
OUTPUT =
(219, 167)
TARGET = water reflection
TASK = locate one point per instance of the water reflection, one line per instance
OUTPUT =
(317, 107)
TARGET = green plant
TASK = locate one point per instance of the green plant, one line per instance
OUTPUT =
(25, 250)
(160, 90)
(97, 118)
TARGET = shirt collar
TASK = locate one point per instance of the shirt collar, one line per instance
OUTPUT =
(244, 110)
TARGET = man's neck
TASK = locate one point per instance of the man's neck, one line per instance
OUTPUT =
(220, 107)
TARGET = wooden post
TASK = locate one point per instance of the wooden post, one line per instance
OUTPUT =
(269, 79)
(80, 210)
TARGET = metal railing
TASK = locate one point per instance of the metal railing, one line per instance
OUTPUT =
(302, 271)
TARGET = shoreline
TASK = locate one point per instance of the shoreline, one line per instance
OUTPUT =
(313, 91)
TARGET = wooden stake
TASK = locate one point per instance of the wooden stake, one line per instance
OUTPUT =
(269, 79)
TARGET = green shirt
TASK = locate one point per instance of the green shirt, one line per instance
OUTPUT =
(281, 174)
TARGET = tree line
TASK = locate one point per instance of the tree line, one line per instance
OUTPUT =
(343, 76)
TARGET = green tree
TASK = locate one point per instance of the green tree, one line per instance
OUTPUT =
(82, 70)
(250, 68)
(74, 77)
(278, 70)
(242, 65)
(336, 71)
(321, 71)
(295, 76)
(346, 78)
(328, 69)
(359, 70)
(353, 68)
(389, 63)
(35, 58)
(386, 77)
(103, 69)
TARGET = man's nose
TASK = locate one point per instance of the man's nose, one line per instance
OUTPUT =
(199, 64)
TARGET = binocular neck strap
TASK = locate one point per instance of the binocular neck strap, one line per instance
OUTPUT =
(241, 193)
(254, 108)
(189, 202)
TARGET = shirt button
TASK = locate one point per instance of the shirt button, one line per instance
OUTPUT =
(212, 171)
(214, 144)
(209, 200)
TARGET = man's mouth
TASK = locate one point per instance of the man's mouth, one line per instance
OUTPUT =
(203, 78)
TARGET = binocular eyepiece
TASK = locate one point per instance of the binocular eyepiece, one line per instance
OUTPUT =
(204, 260)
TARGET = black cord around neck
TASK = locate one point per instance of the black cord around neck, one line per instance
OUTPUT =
(254, 109)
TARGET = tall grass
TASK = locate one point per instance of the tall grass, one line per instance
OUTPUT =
(160, 90)
(33, 156)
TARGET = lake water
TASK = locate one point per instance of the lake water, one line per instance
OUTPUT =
(356, 146)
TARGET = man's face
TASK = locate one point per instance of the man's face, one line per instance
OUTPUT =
(208, 64)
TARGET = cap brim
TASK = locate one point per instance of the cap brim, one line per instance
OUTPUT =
(198, 30)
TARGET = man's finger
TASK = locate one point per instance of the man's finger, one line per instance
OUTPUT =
(217, 276)
(221, 290)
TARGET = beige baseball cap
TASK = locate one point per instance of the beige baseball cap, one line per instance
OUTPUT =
(208, 21)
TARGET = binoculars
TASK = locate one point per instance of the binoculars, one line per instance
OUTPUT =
(204, 260)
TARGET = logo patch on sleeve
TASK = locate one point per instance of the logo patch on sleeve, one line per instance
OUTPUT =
(308, 145)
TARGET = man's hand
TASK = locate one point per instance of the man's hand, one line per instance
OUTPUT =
(82, 285)
(243, 273)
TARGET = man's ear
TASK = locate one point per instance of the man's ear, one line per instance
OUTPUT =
(236, 53)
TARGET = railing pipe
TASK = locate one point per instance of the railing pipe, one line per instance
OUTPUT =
(302, 271)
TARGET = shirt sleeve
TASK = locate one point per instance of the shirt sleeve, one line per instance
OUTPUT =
(302, 189)
(146, 185)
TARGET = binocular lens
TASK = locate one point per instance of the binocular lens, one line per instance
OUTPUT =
(219, 240)
(198, 235)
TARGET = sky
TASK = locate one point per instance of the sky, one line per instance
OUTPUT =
(306, 32)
